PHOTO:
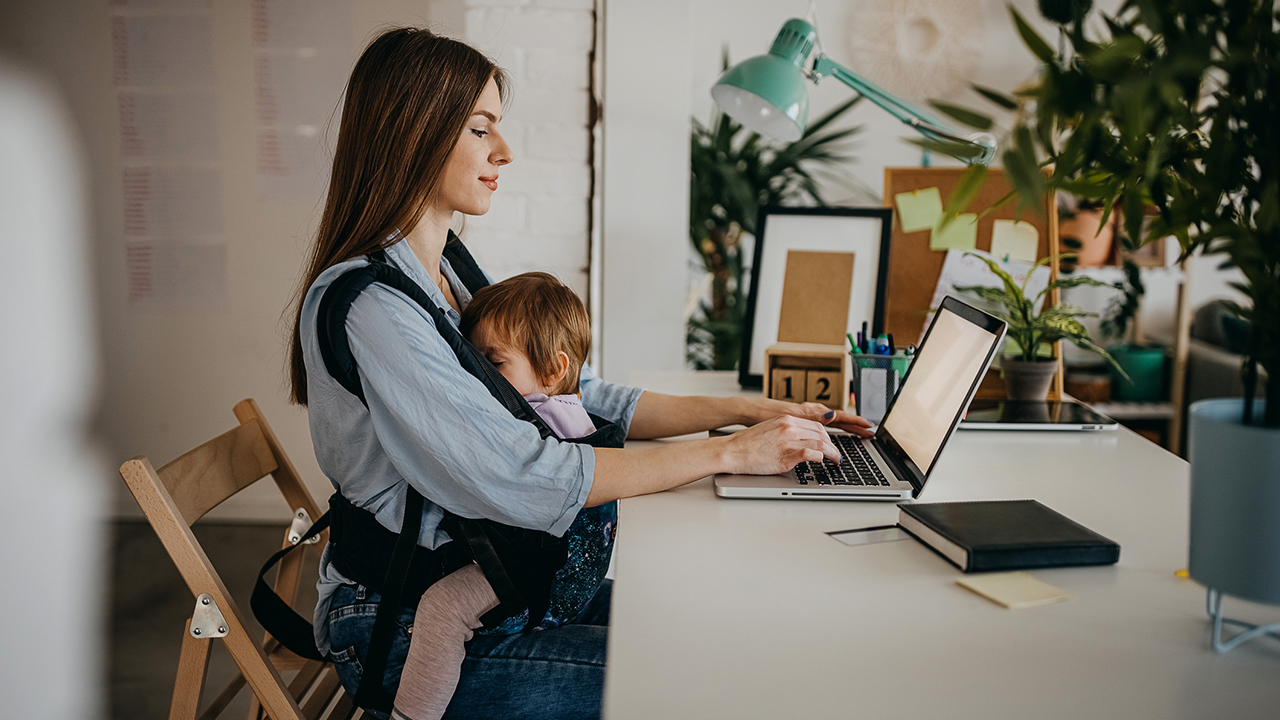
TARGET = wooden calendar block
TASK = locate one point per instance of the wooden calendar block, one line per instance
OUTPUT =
(807, 372)
(825, 386)
(788, 384)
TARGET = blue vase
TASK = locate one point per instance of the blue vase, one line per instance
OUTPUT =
(1235, 501)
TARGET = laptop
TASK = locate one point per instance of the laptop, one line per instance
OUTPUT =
(895, 463)
(1032, 415)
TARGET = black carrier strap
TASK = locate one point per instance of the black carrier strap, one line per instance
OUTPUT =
(520, 564)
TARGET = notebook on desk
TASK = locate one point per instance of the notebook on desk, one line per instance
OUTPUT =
(895, 463)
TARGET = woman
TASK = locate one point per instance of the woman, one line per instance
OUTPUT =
(420, 141)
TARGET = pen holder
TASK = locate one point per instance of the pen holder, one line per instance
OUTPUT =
(875, 380)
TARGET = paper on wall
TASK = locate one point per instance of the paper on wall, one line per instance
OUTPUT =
(168, 124)
(163, 62)
(1016, 240)
(959, 234)
(302, 55)
(961, 269)
(174, 203)
(169, 276)
(919, 210)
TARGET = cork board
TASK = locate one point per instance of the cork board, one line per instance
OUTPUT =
(815, 297)
(914, 268)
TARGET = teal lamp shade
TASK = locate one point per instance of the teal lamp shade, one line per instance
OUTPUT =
(767, 93)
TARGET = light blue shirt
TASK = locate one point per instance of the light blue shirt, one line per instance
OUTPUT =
(432, 424)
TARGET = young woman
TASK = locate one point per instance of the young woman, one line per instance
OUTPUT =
(419, 142)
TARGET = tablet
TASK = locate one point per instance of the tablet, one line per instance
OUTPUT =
(1031, 415)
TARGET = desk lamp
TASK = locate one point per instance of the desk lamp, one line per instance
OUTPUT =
(767, 94)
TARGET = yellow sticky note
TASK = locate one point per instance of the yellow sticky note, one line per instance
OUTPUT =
(919, 210)
(1017, 240)
(959, 234)
(1013, 590)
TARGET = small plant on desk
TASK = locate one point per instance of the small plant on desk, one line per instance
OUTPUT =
(1027, 376)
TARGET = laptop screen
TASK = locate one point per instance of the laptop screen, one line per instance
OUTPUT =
(950, 363)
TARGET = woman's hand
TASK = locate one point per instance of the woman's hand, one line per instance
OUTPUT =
(777, 445)
(759, 410)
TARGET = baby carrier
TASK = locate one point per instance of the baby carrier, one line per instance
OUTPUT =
(540, 580)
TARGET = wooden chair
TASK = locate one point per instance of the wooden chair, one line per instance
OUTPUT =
(176, 496)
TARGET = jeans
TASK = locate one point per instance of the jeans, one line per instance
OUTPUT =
(556, 673)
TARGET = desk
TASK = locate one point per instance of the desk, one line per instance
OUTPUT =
(746, 609)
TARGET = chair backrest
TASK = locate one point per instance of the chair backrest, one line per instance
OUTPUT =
(184, 490)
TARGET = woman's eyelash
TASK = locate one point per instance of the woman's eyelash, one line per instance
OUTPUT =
(479, 133)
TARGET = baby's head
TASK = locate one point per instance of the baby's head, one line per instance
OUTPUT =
(534, 328)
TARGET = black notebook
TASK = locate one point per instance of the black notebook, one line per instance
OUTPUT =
(1005, 535)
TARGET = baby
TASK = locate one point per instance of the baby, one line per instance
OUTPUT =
(536, 331)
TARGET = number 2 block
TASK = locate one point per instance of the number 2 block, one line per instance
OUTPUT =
(823, 386)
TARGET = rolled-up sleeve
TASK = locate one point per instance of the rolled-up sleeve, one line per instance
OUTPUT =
(609, 400)
(448, 437)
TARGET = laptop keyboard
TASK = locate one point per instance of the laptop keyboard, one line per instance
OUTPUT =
(857, 468)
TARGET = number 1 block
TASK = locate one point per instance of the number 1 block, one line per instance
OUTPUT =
(788, 384)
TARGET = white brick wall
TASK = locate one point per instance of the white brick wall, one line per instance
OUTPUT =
(538, 219)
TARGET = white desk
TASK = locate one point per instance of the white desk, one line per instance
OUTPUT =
(746, 609)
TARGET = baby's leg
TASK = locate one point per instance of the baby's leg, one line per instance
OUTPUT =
(447, 613)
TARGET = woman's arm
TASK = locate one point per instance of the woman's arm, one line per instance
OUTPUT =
(772, 446)
(659, 415)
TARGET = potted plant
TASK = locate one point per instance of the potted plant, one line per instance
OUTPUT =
(1173, 105)
(733, 173)
(1027, 375)
(1142, 361)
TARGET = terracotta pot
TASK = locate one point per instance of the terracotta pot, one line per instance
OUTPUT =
(1095, 245)
(1027, 380)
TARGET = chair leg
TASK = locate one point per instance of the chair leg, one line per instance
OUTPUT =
(322, 693)
(224, 698)
(344, 709)
(193, 667)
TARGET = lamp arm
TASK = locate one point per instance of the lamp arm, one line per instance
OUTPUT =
(922, 122)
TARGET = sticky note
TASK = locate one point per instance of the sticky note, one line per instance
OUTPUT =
(1017, 240)
(1013, 590)
(959, 234)
(919, 210)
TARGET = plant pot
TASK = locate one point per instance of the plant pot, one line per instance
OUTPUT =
(1145, 366)
(1235, 501)
(1095, 245)
(1027, 380)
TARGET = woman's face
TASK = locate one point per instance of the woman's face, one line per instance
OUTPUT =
(471, 172)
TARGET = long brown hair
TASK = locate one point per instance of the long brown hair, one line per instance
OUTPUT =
(407, 102)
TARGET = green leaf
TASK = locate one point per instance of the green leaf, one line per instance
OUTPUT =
(1034, 42)
(962, 115)
(959, 151)
(1077, 281)
(1019, 306)
(832, 114)
(990, 294)
(971, 181)
(997, 97)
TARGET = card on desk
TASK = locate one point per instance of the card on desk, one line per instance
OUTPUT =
(1014, 590)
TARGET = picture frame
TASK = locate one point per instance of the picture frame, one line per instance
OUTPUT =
(863, 231)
